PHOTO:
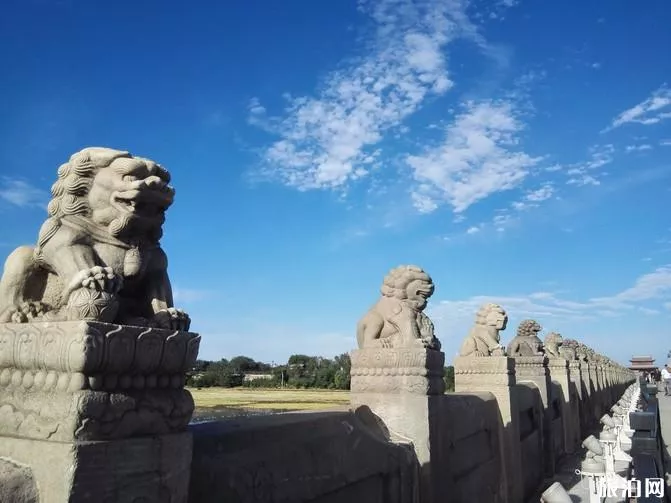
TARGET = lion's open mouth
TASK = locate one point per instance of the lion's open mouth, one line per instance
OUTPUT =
(145, 202)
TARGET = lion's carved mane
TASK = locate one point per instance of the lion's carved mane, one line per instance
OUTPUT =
(396, 319)
(484, 338)
(526, 342)
(98, 255)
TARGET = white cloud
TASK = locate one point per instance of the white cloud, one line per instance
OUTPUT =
(579, 173)
(649, 286)
(453, 317)
(478, 157)
(22, 194)
(325, 140)
(650, 111)
(532, 198)
(665, 143)
(473, 230)
(637, 148)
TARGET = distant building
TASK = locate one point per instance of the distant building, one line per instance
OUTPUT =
(642, 363)
(253, 376)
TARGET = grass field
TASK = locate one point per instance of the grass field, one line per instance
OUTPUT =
(268, 399)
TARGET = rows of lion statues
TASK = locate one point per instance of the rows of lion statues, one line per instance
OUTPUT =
(397, 320)
(98, 258)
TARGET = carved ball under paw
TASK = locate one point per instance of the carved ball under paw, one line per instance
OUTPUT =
(90, 304)
(102, 279)
(173, 319)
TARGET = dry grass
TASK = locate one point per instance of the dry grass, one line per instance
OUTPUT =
(271, 399)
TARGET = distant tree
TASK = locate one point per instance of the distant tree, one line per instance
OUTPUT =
(449, 378)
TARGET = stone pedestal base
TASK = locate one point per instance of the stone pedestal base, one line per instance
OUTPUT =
(406, 370)
(147, 470)
(402, 386)
(496, 375)
(94, 412)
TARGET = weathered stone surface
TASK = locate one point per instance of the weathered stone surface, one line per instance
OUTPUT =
(151, 469)
(526, 342)
(315, 456)
(418, 371)
(397, 319)
(496, 375)
(484, 339)
(17, 484)
(90, 381)
(552, 345)
(98, 255)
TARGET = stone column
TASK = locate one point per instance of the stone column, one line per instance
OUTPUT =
(402, 386)
(576, 403)
(559, 373)
(97, 412)
(534, 369)
(586, 414)
(496, 375)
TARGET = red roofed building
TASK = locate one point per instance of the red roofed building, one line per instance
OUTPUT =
(642, 363)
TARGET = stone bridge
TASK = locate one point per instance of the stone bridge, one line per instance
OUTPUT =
(93, 406)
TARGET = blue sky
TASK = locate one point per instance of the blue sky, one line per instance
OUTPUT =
(518, 151)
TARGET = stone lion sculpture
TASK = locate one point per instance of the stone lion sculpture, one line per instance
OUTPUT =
(397, 318)
(568, 350)
(552, 345)
(484, 338)
(526, 342)
(98, 255)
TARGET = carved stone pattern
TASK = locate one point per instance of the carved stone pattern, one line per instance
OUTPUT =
(557, 363)
(397, 358)
(78, 355)
(482, 381)
(396, 384)
(93, 415)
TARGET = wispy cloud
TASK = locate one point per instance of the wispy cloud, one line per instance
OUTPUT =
(585, 173)
(637, 148)
(479, 156)
(652, 110)
(543, 305)
(532, 198)
(328, 140)
(22, 194)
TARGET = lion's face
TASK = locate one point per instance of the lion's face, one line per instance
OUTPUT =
(130, 197)
(555, 339)
(497, 318)
(418, 292)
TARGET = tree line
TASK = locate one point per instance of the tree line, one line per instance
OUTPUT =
(299, 372)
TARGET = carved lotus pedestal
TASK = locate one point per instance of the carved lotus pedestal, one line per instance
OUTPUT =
(97, 412)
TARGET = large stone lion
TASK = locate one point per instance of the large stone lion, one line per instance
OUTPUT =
(98, 255)
(484, 339)
(526, 342)
(397, 319)
(552, 345)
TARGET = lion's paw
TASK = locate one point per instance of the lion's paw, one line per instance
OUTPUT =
(173, 319)
(27, 312)
(102, 279)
